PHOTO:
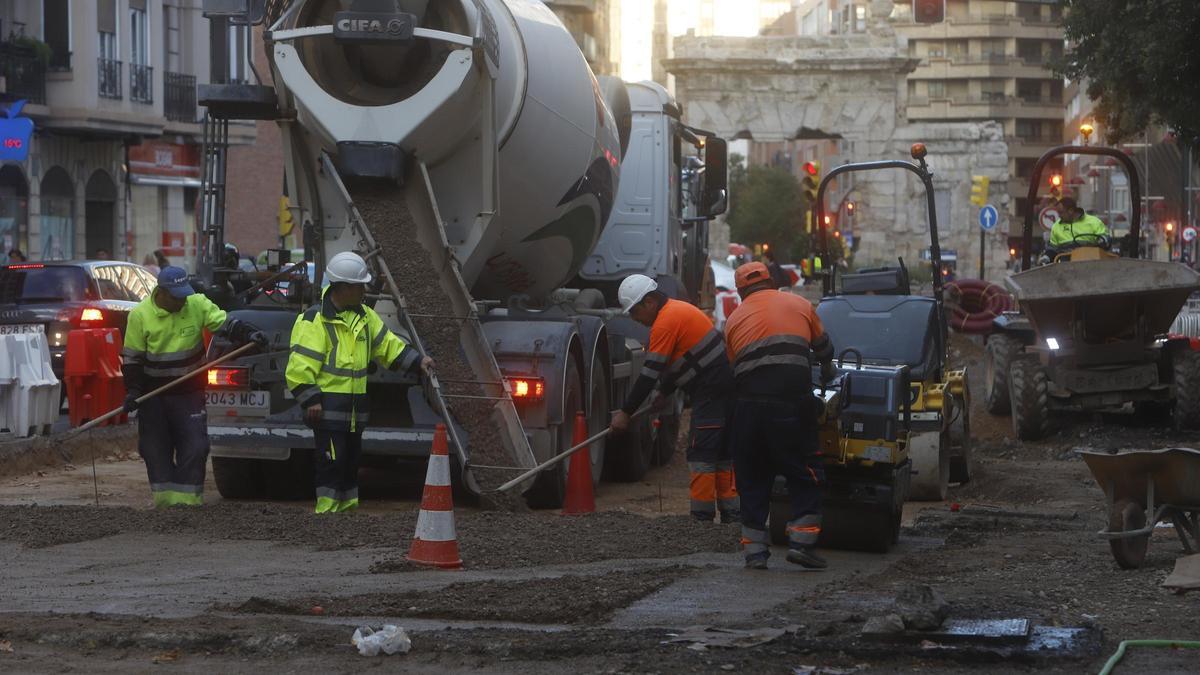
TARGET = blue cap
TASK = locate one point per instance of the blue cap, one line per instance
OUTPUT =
(174, 280)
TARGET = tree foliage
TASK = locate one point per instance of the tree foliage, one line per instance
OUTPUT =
(765, 208)
(1140, 60)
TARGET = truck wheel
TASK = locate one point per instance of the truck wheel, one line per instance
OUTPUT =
(628, 456)
(1128, 515)
(930, 455)
(550, 487)
(667, 435)
(1186, 364)
(1029, 392)
(291, 479)
(238, 477)
(599, 410)
(1002, 350)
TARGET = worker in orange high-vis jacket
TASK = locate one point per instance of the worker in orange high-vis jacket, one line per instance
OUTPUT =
(687, 353)
(773, 338)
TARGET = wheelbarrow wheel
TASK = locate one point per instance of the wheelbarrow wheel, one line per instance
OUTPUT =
(1186, 413)
(1126, 516)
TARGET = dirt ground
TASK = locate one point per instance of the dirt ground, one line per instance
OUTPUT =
(271, 587)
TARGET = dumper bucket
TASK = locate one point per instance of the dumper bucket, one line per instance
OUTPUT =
(1103, 298)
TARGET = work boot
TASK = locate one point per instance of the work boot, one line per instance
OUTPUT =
(731, 516)
(756, 562)
(806, 557)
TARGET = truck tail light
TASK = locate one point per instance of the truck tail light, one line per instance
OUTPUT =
(527, 388)
(229, 378)
(90, 314)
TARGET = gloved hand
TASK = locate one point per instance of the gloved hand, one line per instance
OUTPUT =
(828, 372)
(259, 338)
(131, 403)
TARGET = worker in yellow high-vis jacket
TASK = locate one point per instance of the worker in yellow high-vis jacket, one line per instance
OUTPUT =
(332, 345)
(164, 339)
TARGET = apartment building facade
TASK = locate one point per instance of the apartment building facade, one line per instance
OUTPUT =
(114, 163)
(990, 60)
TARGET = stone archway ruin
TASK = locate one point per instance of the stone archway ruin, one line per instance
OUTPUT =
(852, 88)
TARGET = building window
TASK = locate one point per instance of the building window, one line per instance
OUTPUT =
(992, 51)
(141, 75)
(1029, 91)
(937, 89)
(956, 49)
(172, 59)
(56, 32)
(1025, 167)
(935, 50)
(992, 90)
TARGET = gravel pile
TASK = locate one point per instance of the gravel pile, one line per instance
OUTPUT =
(395, 230)
(487, 540)
(557, 600)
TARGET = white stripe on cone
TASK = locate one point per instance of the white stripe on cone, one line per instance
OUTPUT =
(439, 471)
(435, 526)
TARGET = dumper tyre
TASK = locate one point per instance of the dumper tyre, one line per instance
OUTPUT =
(1029, 390)
(550, 487)
(1001, 351)
(238, 477)
(291, 479)
(1186, 412)
(1128, 515)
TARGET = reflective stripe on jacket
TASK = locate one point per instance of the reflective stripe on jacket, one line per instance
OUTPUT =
(780, 330)
(684, 346)
(160, 346)
(331, 351)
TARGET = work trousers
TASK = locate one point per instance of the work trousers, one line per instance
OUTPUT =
(173, 441)
(777, 438)
(338, 455)
(710, 461)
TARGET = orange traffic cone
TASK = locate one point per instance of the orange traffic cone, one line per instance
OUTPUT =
(580, 499)
(435, 542)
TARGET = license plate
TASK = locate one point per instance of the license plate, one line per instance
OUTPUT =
(239, 403)
(22, 329)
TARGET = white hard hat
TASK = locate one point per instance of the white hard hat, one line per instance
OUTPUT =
(633, 288)
(348, 268)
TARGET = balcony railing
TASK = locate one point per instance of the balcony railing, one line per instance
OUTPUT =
(179, 97)
(23, 73)
(1038, 99)
(108, 77)
(141, 83)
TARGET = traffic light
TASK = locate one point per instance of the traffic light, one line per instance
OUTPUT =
(849, 209)
(1056, 183)
(1169, 228)
(810, 181)
(979, 190)
(929, 11)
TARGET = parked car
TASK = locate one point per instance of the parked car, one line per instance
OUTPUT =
(57, 297)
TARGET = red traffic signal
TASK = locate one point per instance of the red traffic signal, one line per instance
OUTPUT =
(1169, 227)
(1056, 180)
(929, 11)
(811, 168)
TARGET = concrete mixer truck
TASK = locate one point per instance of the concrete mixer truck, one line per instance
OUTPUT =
(500, 191)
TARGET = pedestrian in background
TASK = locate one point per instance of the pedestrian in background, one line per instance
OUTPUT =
(164, 340)
(151, 263)
(778, 276)
(16, 256)
(686, 352)
(773, 339)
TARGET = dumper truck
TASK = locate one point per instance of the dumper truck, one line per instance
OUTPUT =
(500, 191)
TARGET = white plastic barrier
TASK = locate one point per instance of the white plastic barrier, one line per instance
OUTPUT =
(29, 391)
